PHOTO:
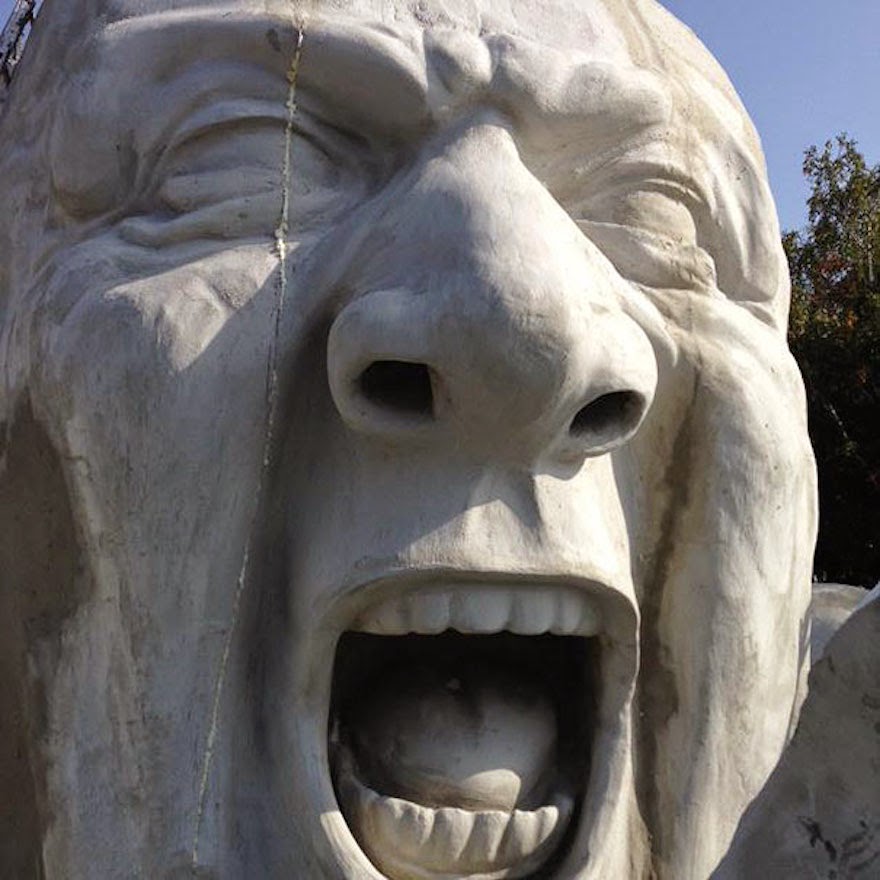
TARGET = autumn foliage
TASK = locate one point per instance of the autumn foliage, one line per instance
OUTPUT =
(835, 335)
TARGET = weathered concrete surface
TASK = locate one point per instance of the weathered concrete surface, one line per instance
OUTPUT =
(830, 608)
(819, 814)
(338, 320)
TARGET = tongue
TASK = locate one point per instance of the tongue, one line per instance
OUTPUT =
(463, 735)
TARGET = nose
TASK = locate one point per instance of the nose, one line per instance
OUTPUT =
(488, 322)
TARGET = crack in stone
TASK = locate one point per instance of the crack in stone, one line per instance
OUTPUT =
(281, 250)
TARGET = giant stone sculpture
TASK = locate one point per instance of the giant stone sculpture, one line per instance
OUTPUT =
(405, 471)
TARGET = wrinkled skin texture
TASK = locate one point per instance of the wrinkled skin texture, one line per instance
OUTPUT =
(543, 202)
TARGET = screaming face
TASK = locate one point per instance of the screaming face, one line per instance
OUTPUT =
(431, 446)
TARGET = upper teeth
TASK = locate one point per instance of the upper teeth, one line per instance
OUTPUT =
(482, 610)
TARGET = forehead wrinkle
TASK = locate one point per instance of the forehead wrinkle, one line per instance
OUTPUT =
(137, 84)
(640, 31)
(599, 103)
(198, 35)
(366, 70)
(633, 35)
(182, 70)
(436, 68)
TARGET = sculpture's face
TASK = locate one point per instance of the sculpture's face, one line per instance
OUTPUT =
(527, 577)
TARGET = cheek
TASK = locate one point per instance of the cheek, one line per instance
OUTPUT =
(745, 397)
(123, 323)
(156, 388)
(760, 496)
(755, 409)
(722, 466)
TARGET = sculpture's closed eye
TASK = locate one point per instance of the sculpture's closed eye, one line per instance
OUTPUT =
(649, 230)
(199, 198)
(652, 258)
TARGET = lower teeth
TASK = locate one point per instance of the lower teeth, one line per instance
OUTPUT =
(406, 840)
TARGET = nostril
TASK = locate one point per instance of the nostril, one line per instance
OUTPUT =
(399, 386)
(609, 416)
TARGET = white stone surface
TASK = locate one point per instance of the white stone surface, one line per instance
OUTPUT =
(831, 607)
(819, 814)
(226, 228)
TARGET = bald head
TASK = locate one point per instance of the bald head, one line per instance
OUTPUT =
(513, 272)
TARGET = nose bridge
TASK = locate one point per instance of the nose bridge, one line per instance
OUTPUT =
(520, 243)
(512, 317)
(516, 307)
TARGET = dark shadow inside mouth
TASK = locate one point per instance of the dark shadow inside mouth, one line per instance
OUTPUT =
(488, 700)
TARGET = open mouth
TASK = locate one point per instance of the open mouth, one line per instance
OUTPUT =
(462, 720)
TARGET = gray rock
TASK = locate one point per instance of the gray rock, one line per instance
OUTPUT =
(819, 814)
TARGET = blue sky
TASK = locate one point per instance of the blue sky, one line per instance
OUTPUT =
(806, 70)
